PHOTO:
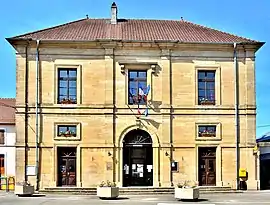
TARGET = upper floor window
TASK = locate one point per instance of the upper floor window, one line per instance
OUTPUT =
(207, 131)
(137, 86)
(206, 87)
(67, 86)
(2, 137)
(66, 131)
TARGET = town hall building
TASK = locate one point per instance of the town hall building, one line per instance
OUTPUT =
(137, 102)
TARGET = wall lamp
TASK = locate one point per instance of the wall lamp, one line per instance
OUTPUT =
(109, 154)
(167, 154)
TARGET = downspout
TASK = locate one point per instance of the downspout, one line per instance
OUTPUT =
(236, 97)
(26, 112)
(171, 119)
(114, 117)
(37, 122)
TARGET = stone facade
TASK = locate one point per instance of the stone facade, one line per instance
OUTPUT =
(173, 118)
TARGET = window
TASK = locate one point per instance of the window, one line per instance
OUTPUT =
(67, 86)
(206, 87)
(2, 137)
(207, 131)
(137, 85)
(66, 130)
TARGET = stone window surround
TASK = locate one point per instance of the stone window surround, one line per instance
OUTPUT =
(218, 131)
(209, 67)
(149, 67)
(79, 82)
(78, 131)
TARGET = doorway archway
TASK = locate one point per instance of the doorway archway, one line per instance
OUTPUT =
(137, 159)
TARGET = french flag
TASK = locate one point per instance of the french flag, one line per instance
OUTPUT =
(144, 94)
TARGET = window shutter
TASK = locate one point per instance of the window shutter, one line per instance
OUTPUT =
(2, 137)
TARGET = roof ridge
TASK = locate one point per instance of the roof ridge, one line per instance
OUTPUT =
(206, 27)
(7, 98)
(53, 27)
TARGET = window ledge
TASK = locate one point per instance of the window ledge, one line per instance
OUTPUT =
(67, 138)
(208, 139)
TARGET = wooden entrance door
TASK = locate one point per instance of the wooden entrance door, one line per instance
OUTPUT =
(2, 165)
(207, 166)
(67, 166)
(137, 159)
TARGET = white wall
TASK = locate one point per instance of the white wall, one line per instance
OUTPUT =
(9, 149)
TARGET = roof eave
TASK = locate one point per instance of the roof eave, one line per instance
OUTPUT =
(257, 45)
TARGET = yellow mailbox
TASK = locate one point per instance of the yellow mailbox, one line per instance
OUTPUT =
(242, 172)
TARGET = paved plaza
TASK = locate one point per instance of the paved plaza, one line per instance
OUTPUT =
(252, 197)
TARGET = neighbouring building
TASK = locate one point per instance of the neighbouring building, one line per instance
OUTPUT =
(137, 102)
(263, 144)
(7, 137)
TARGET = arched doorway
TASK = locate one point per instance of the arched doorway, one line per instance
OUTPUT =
(137, 159)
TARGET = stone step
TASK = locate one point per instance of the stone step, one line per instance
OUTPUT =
(134, 190)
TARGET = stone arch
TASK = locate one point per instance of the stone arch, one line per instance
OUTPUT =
(153, 135)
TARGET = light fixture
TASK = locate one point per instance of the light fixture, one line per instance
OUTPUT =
(138, 122)
(166, 154)
(109, 153)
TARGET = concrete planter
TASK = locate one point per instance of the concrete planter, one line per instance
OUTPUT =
(108, 192)
(187, 193)
(21, 190)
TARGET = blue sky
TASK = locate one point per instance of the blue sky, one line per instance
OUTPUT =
(246, 18)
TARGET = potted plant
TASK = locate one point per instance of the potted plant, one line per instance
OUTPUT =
(207, 133)
(205, 101)
(187, 190)
(67, 133)
(24, 188)
(107, 190)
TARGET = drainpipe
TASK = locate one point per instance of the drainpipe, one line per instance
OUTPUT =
(114, 117)
(236, 114)
(37, 122)
(171, 119)
(26, 112)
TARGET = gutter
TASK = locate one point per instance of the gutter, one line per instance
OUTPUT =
(236, 97)
(37, 116)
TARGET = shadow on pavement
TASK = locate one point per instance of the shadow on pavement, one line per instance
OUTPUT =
(118, 198)
(34, 195)
(193, 200)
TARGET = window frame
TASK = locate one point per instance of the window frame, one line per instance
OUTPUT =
(218, 135)
(214, 134)
(208, 66)
(144, 80)
(206, 81)
(78, 67)
(68, 137)
(68, 80)
(68, 129)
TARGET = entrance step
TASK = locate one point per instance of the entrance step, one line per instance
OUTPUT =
(135, 190)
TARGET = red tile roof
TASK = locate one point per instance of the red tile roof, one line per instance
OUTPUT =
(134, 30)
(7, 110)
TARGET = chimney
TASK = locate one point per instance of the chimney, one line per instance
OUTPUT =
(114, 13)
